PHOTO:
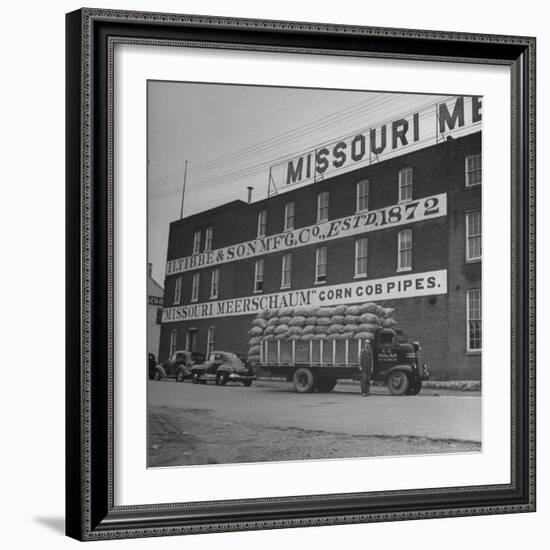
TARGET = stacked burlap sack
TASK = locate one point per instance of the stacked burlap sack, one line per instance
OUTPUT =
(318, 323)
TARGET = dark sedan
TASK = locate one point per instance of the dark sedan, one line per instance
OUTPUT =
(223, 367)
(178, 366)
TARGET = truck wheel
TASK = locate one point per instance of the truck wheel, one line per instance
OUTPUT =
(303, 380)
(325, 385)
(180, 376)
(415, 388)
(398, 382)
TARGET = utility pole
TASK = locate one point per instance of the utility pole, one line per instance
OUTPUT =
(183, 189)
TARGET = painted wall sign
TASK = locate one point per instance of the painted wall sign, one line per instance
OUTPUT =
(453, 117)
(154, 300)
(365, 222)
(389, 288)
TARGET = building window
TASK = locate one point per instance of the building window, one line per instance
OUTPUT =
(363, 196)
(286, 271)
(404, 245)
(195, 287)
(210, 340)
(173, 341)
(473, 236)
(259, 276)
(473, 170)
(262, 223)
(474, 319)
(177, 291)
(406, 185)
(197, 242)
(361, 246)
(215, 283)
(289, 216)
(208, 238)
(321, 264)
(191, 339)
(322, 207)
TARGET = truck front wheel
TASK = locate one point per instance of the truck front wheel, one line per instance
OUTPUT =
(398, 382)
(324, 385)
(304, 381)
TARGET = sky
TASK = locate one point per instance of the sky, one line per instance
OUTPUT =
(231, 134)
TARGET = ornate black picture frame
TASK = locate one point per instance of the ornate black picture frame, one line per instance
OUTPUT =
(90, 509)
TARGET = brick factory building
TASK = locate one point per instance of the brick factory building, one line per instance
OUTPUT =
(402, 229)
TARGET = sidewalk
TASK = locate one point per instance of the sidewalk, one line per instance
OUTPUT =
(457, 385)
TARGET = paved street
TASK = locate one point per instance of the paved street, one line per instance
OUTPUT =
(189, 421)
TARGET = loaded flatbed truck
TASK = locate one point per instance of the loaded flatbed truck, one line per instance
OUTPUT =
(318, 364)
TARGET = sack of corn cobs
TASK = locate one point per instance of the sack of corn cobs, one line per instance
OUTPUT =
(360, 322)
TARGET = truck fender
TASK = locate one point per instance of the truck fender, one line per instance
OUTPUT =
(404, 367)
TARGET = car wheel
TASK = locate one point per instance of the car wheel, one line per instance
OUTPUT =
(398, 382)
(195, 378)
(247, 383)
(157, 376)
(180, 376)
(221, 379)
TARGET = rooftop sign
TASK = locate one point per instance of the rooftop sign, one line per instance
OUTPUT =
(454, 117)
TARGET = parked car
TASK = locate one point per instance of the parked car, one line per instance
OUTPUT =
(178, 366)
(223, 367)
(152, 363)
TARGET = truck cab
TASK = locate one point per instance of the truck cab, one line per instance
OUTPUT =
(396, 362)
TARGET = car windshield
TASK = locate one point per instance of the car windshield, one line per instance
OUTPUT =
(401, 336)
(217, 356)
(225, 356)
(385, 338)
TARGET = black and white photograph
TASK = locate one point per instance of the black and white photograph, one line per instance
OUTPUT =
(314, 273)
(271, 275)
